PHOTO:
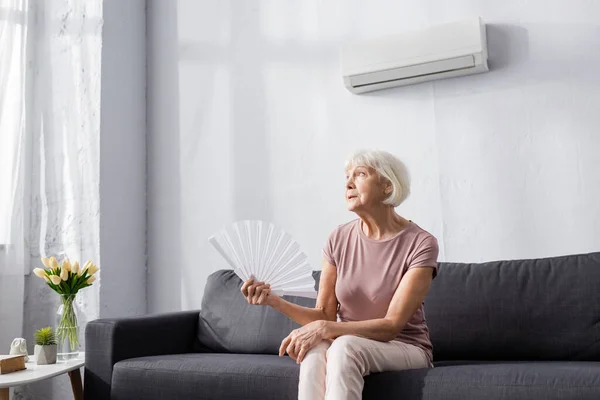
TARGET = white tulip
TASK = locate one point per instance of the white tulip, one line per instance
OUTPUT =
(39, 272)
(55, 279)
(84, 268)
(46, 278)
(66, 265)
(90, 280)
(93, 269)
(46, 262)
(54, 264)
(75, 268)
(64, 274)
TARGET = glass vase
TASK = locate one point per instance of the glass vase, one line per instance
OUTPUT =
(67, 328)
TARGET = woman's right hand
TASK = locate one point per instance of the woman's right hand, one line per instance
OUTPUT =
(256, 292)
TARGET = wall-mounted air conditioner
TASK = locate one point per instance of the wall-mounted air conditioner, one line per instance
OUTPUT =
(441, 51)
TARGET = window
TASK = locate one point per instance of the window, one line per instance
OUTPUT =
(12, 99)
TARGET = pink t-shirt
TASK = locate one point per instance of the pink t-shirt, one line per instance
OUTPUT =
(369, 272)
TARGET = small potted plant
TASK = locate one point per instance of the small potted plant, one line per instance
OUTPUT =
(45, 346)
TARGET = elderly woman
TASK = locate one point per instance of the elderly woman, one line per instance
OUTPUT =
(377, 269)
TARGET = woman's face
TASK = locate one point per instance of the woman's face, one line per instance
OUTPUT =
(364, 188)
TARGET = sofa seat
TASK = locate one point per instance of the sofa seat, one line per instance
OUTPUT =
(490, 380)
(206, 376)
(252, 376)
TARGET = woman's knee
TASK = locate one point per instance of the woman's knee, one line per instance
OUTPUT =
(344, 351)
(318, 351)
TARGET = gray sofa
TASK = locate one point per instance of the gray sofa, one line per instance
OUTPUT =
(525, 329)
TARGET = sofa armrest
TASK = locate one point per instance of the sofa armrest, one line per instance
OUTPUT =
(108, 341)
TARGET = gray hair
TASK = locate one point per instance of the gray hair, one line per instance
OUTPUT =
(388, 167)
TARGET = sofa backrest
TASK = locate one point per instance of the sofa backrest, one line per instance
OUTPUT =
(539, 309)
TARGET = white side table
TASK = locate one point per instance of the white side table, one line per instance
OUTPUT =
(35, 373)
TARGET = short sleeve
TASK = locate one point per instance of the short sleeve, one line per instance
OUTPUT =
(425, 255)
(328, 252)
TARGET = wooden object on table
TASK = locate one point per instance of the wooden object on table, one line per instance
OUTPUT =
(10, 364)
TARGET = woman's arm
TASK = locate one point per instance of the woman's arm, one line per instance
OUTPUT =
(326, 305)
(411, 292)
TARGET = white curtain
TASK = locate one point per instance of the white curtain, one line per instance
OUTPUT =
(50, 54)
(65, 204)
(13, 163)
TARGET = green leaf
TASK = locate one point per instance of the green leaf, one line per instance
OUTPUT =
(79, 282)
(64, 287)
(53, 286)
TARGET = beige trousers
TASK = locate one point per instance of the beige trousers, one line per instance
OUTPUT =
(334, 370)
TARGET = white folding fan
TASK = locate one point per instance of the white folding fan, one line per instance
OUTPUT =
(260, 250)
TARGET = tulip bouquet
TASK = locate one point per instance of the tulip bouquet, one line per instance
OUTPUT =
(67, 280)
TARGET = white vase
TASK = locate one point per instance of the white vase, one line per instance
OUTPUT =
(45, 354)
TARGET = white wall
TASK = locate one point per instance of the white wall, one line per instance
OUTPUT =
(163, 144)
(123, 160)
(248, 118)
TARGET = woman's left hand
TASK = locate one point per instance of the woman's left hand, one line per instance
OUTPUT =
(301, 340)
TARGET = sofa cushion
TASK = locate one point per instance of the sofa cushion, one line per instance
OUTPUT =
(244, 376)
(206, 376)
(228, 324)
(540, 309)
(490, 381)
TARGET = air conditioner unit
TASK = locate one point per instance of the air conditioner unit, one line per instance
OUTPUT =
(441, 51)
